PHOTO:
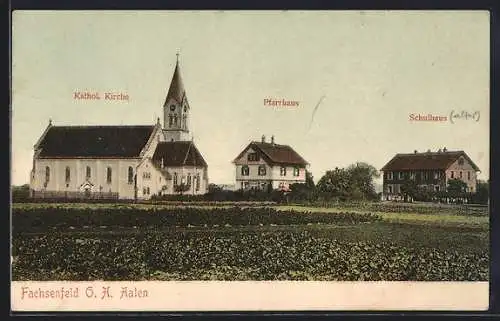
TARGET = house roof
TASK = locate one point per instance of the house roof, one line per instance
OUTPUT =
(426, 161)
(181, 153)
(276, 153)
(94, 141)
(176, 90)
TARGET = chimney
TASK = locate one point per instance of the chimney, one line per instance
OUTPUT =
(445, 150)
(50, 121)
(263, 138)
(272, 139)
(440, 150)
(415, 151)
(428, 151)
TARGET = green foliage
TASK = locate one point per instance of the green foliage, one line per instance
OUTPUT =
(255, 255)
(49, 219)
(352, 183)
(456, 188)
(20, 193)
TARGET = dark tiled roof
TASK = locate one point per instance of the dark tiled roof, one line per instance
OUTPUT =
(176, 89)
(426, 160)
(94, 141)
(276, 154)
(178, 154)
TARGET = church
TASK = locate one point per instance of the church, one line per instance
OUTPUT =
(122, 162)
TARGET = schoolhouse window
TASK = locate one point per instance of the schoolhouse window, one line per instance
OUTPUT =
(88, 172)
(68, 174)
(130, 175)
(436, 175)
(412, 175)
(452, 174)
(108, 175)
(262, 170)
(389, 175)
(283, 171)
(245, 170)
(296, 171)
(401, 175)
(47, 174)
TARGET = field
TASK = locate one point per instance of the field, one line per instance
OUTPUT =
(251, 242)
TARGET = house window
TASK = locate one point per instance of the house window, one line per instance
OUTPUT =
(197, 182)
(108, 175)
(426, 176)
(401, 175)
(245, 170)
(262, 170)
(283, 171)
(460, 174)
(88, 172)
(68, 174)
(253, 157)
(468, 176)
(47, 174)
(189, 180)
(130, 175)
(452, 174)
(296, 171)
(175, 178)
(436, 175)
(389, 175)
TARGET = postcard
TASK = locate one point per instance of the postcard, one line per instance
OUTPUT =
(250, 160)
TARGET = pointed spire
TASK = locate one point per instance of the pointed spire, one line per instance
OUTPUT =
(176, 90)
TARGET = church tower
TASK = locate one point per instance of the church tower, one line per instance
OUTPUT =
(176, 109)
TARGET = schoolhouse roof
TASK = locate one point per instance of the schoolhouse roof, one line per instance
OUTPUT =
(440, 160)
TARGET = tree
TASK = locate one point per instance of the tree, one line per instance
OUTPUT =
(362, 177)
(335, 183)
(456, 187)
(410, 190)
(482, 194)
(181, 188)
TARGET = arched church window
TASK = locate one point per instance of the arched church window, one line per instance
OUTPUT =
(170, 119)
(197, 182)
(175, 120)
(130, 175)
(108, 174)
(88, 172)
(68, 174)
(47, 174)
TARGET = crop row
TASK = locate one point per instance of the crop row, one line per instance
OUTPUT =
(42, 219)
(249, 256)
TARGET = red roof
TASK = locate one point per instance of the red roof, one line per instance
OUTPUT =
(276, 154)
(426, 161)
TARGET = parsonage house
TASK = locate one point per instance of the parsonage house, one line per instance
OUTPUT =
(430, 169)
(267, 165)
(125, 162)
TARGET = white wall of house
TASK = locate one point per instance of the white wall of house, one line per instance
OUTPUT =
(78, 175)
(463, 171)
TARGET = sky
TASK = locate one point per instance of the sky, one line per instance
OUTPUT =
(372, 68)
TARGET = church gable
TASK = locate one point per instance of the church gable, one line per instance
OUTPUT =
(175, 154)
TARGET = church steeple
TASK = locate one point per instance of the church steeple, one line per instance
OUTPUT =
(176, 108)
